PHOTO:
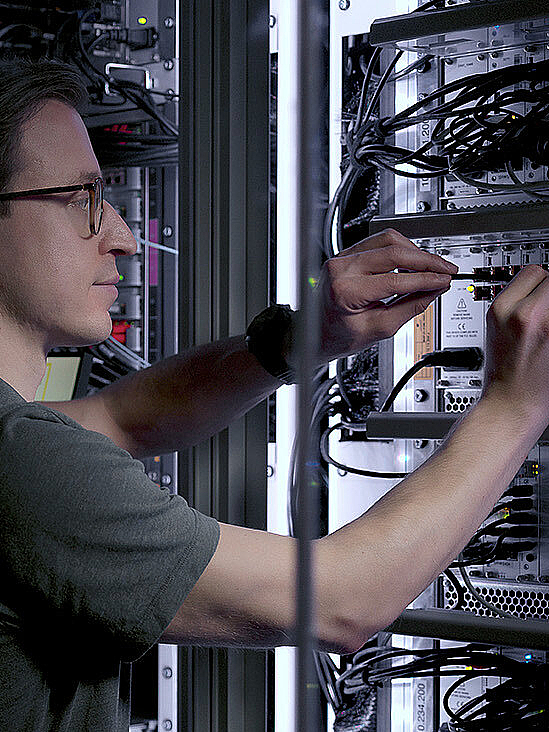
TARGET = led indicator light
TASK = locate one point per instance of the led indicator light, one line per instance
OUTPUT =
(528, 656)
(470, 288)
(120, 278)
(142, 20)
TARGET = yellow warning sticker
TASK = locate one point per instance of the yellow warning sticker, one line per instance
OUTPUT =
(424, 340)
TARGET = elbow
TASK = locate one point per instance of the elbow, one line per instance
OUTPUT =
(344, 637)
(350, 613)
(346, 632)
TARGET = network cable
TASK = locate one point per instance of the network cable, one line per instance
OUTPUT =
(449, 358)
(517, 703)
(129, 90)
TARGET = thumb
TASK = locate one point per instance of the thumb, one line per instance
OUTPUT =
(405, 308)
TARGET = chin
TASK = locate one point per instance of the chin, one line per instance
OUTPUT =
(88, 335)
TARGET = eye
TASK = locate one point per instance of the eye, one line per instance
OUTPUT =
(81, 203)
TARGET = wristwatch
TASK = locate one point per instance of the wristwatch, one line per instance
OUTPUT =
(269, 336)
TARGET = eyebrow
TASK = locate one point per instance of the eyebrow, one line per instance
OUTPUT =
(85, 176)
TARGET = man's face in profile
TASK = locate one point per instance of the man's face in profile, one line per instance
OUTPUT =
(51, 268)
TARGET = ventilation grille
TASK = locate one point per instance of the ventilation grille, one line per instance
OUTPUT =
(524, 601)
(459, 400)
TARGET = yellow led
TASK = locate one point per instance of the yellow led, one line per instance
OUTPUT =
(470, 288)
(142, 20)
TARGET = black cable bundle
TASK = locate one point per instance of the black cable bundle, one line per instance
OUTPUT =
(515, 705)
(474, 131)
(360, 715)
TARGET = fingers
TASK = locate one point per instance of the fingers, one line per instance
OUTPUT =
(523, 286)
(359, 292)
(407, 308)
(391, 238)
(387, 259)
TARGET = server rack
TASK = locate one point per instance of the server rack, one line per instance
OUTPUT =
(479, 223)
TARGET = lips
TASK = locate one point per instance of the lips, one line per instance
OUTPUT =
(113, 281)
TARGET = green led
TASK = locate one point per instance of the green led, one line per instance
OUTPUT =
(312, 281)
(142, 20)
(120, 278)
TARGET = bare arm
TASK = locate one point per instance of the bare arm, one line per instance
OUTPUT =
(368, 571)
(185, 399)
(177, 402)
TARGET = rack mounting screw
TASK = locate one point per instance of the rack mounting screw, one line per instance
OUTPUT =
(169, 22)
(344, 4)
(272, 21)
(420, 395)
(167, 673)
(167, 231)
(168, 64)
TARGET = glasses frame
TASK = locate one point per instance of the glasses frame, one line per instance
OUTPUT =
(95, 193)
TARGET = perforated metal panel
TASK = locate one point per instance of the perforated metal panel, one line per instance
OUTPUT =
(458, 400)
(522, 600)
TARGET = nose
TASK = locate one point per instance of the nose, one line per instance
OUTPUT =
(115, 235)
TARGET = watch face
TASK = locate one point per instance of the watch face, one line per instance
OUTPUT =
(265, 338)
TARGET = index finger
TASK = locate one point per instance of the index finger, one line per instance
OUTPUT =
(391, 237)
(523, 286)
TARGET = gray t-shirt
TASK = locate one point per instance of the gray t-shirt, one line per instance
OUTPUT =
(95, 561)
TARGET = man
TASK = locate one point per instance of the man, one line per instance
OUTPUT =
(97, 562)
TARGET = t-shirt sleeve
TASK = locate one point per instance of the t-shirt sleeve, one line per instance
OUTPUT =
(93, 552)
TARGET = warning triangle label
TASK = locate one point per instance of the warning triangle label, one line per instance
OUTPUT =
(462, 305)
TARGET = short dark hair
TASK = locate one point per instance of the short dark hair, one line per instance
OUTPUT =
(26, 85)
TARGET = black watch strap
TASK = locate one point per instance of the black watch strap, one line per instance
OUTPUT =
(268, 336)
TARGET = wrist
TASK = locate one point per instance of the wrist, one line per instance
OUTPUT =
(270, 337)
(506, 401)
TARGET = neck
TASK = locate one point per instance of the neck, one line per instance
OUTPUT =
(22, 359)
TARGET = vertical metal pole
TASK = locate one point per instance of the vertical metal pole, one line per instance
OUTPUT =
(146, 262)
(308, 112)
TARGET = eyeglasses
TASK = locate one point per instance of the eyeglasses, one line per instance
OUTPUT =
(95, 199)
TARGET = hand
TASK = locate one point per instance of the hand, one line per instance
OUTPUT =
(352, 284)
(516, 369)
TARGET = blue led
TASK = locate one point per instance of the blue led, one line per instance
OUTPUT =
(528, 656)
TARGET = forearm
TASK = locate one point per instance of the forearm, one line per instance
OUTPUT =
(179, 401)
(398, 547)
(367, 572)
